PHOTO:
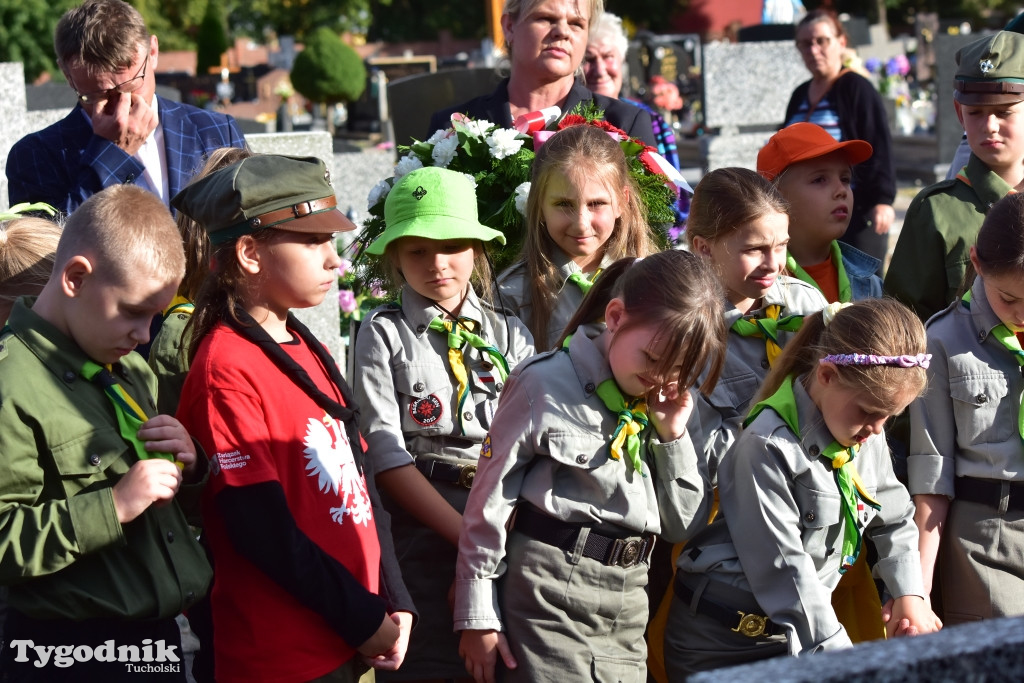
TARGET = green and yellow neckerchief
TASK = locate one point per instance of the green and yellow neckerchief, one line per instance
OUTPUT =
(459, 333)
(768, 328)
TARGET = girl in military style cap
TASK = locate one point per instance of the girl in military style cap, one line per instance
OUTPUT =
(429, 371)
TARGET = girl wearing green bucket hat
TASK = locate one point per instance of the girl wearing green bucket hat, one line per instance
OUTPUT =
(429, 371)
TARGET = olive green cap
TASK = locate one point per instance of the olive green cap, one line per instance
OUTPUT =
(990, 71)
(264, 191)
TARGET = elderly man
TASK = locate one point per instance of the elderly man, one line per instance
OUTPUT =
(120, 131)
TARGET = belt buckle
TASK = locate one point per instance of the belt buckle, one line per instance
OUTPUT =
(627, 553)
(751, 625)
(466, 475)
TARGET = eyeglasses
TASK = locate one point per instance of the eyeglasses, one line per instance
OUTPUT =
(821, 41)
(119, 89)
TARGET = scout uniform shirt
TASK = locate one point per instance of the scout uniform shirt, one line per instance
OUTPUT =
(549, 447)
(780, 531)
(62, 548)
(406, 390)
(977, 382)
(514, 294)
(933, 250)
(722, 412)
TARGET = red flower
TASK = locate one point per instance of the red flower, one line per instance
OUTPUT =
(571, 120)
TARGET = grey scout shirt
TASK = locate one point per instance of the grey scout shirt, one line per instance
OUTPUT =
(780, 530)
(965, 424)
(549, 447)
(722, 412)
(512, 288)
(405, 389)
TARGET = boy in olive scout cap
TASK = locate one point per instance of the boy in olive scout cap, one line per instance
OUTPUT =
(430, 369)
(96, 550)
(290, 519)
(942, 222)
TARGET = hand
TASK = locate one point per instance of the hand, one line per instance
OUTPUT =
(126, 120)
(880, 218)
(383, 641)
(479, 649)
(910, 615)
(669, 410)
(393, 658)
(145, 483)
(164, 434)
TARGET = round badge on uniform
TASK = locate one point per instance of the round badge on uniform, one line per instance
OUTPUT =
(426, 411)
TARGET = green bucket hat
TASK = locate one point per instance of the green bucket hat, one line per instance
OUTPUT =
(434, 203)
(264, 191)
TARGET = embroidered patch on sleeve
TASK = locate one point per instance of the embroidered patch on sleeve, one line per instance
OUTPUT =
(426, 411)
(485, 447)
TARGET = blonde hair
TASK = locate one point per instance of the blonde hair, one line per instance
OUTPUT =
(194, 238)
(728, 198)
(880, 327)
(516, 9)
(481, 279)
(121, 229)
(579, 154)
(27, 250)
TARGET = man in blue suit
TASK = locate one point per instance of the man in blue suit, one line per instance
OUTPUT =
(120, 131)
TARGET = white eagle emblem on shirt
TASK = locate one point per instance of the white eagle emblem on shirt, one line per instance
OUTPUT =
(329, 459)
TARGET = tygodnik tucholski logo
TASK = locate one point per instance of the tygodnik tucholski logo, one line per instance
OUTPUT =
(149, 657)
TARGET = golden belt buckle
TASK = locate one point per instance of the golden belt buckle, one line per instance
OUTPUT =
(751, 625)
(466, 476)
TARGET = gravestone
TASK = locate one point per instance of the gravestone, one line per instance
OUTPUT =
(948, 130)
(746, 89)
(12, 113)
(978, 652)
(412, 100)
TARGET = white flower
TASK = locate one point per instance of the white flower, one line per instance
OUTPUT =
(522, 194)
(439, 134)
(444, 151)
(477, 128)
(504, 143)
(378, 193)
(406, 165)
(472, 180)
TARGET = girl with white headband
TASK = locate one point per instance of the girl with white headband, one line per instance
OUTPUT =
(966, 461)
(808, 476)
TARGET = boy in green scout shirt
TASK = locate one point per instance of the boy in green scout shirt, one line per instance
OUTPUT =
(98, 554)
(942, 222)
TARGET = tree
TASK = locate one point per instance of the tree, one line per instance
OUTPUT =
(300, 18)
(26, 34)
(328, 71)
(211, 40)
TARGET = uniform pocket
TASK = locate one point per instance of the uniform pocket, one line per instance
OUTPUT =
(612, 670)
(578, 450)
(424, 394)
(981, 408)
(94, 456)
(820, 519)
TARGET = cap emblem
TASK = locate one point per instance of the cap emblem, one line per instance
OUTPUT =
(327, 177)
(419, 193)
(986, 65)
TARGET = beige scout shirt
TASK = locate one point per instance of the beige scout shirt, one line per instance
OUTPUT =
(965, 424)
(404, 387)
(512, 288)
(779, 534)
(549, 447)
(722, 412)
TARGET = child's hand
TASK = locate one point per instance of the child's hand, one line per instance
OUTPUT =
(669, 410)
(393, 658)
(384, 641)
(480, 649)
(164, 434)
(909, 615)
(146, 482)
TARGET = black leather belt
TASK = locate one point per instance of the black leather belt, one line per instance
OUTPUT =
(613, 552)
(449, 472)
(990, 492)
(750, 625)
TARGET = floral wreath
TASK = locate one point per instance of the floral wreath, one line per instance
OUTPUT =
(498, 161)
